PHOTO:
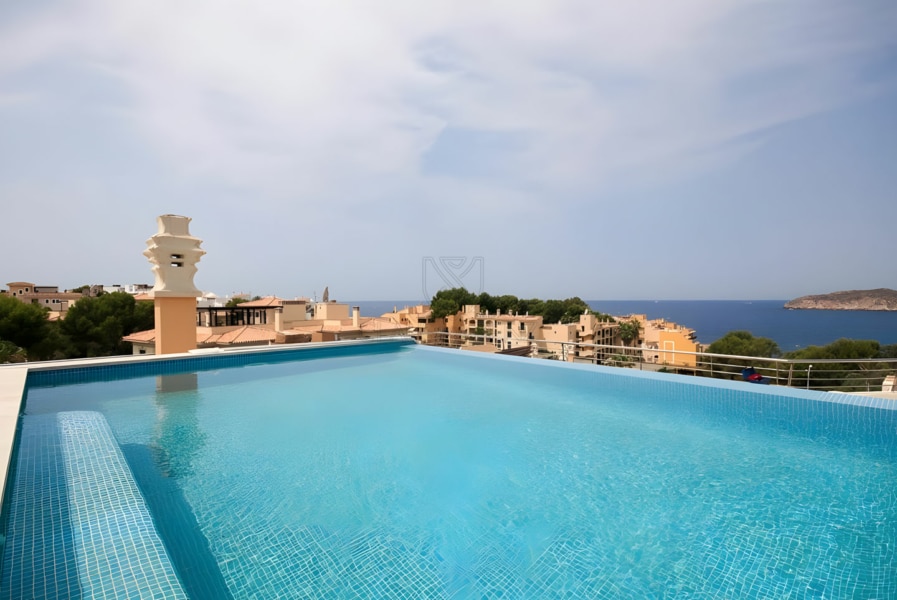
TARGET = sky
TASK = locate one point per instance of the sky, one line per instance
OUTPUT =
(697, 149)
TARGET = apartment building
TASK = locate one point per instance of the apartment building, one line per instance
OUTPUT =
(47, 296)
(591, 330)
(502, 331)
(417, 319)
(558, 339)
(132, 288)
(661, 341)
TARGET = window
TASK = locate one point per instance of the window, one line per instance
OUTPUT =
(509, 334)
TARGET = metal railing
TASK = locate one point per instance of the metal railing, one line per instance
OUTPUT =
(840, 375)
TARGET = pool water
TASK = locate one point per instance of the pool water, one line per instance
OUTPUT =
(426, 473)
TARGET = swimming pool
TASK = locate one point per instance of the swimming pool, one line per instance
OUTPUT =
(400, 471)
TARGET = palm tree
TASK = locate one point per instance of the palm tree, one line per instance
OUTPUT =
(629, 331)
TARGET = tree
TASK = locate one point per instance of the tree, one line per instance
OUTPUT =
(95, 326)
(487, 303)
(234, 302)
(889, 351)
(629, 331)
(842, 348)
(10, 353)
(846, 377)
(739, 343)
(552, 311)
(448, 302)
(508, 304)
(573, 308)
(144, 316)
(24, 325)
(743, 343)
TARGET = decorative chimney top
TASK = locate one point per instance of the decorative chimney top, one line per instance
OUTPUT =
(173, 252)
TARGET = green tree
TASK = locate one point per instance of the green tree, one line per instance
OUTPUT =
(508, 304)
(846, 377)
(55, 345)
(842, 348)
(889, 351)
(552, 311)
(629, 331)
(487, 303)
(448, 302)
(10, 353)
(743, 343)
(573, 308)
(739, 343)
(532, 306)
(24, 325)
(234, 302)
(144, 316)
(95, 326)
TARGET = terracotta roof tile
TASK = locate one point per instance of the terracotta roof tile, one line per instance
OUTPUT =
(141, 336)
(266, 302)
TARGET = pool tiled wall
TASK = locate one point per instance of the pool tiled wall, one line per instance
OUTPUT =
(47, 377)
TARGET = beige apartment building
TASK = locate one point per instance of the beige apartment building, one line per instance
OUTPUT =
(661, 340)
(47, 296)
(591, 330)
(505, 332)
(417, 319)
(558, 339)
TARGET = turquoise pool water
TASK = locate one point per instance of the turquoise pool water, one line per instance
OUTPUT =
(424, 473)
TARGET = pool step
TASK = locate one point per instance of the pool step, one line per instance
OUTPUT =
(78, 524)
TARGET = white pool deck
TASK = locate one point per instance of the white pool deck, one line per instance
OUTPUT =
(12, 388)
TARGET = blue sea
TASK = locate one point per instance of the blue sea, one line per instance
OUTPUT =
(712, 319)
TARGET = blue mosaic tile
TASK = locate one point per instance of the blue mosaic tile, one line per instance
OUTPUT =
(78, 525)
(308, 508)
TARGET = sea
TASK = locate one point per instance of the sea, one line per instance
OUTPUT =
(712, 319)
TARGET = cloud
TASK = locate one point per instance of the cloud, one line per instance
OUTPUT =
(298, 99)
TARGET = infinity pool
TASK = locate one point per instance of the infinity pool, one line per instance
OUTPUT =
(413, 472)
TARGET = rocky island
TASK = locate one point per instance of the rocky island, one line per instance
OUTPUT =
(880, 299)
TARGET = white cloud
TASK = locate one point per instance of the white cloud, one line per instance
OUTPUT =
(298, 98)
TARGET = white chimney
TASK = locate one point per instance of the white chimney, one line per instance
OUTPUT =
(355, 315)
(173, 252)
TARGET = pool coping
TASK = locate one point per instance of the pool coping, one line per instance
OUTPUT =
(13, 379)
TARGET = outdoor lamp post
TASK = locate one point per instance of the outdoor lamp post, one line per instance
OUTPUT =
(810, 368)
